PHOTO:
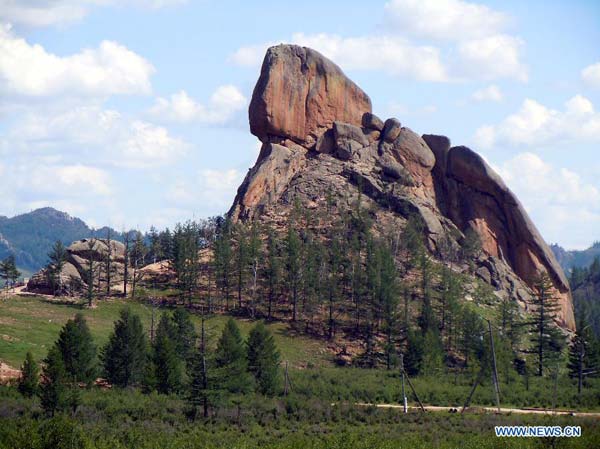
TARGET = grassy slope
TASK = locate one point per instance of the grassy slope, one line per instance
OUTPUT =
(32, 324)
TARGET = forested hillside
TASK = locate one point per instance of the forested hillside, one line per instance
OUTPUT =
(30, 236)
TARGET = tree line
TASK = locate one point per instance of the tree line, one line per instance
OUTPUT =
(175, 360)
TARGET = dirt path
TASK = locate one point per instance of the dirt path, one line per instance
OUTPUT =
(475, 409)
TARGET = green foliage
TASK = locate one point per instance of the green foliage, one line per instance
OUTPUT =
(124, 356)
(53, 391)
(231, 362)
(263, 360)
(184, 334)
(8, 270)
(30, 377)
(57, 257)
(433, 354)
(166, 361)
(77, 349)
(413, 357)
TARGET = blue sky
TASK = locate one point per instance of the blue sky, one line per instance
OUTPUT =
(134, 112)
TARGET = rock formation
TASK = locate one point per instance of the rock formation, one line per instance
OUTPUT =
(75, 272)
(321, 140)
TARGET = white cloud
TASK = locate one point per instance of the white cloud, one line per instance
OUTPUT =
(212, 188)
(390, 54)
(448, 20)
(535, 124)
(105, 136)
(69, 178)
(180, 107)
(479, 53)
(566, 208)
(59, 12)
(492, 57)
(28, 69)
(489, 93)
(591, 75)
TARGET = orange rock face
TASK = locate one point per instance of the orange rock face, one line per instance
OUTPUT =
(300, 94)
(297, 99)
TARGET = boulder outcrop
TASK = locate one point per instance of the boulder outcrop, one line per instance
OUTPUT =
(299, 95)
(73, 277)
(322, 142)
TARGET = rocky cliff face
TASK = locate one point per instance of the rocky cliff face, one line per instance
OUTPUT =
(321, 141)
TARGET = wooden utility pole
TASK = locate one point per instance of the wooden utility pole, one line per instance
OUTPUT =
(495, 370)
(404, 401)
(410, 385)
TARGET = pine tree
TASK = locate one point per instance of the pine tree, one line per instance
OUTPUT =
(272, 271)
(124, 357)
(185, 335)
(53, 391)
(583, 357)
(293, 267)
(254, 259)
(91, 271)
(57, 258)
(241, 258)
(413, 355)
(9, 271)
(263, 360)
(223, 259)
(78, 351)
(108, 266)
(203, 389)
(166, 362)
(138, 255)
(389, 299)
(30, 377)
(231, 362)
(546, 338)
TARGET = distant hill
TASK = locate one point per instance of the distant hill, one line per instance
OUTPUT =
(30, 236)
(575, 258)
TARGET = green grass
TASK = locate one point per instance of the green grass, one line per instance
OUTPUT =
(33, 324)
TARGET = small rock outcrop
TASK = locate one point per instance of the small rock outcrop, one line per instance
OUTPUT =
(322, 141)
(75, 272)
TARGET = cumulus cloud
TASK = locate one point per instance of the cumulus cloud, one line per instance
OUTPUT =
(66, 178)
(448, 20)
(591, 75)
(489, 93)
(103, 135)
(28, 69)
(212, 188)
(536, 124)
(566, 207)
(60, 12)
(180, 107)
(492, 57)
(390, 54)
(468, 44)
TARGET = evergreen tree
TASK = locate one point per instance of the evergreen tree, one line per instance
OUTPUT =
(223, 259)
(53, 391)
(137, 255)
(293, 265)
(91, 271)
(433, 353)
(263, 359)
(165, 359)
(546, 338)
(254, 258)
(427, 319)
(108, 259)
(203, 392)
(77, 350)
(471, 336)
(389, 299)
(57, 258)
(272, 271)
(413, 356)
(583, 355)
(8, 271)
(241, 258)
(185, 335)
(124, 356)
(231, 362)
(30, 377)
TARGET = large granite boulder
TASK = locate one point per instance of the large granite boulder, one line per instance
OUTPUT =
(300, 93)
(322, 144)
(75, 272)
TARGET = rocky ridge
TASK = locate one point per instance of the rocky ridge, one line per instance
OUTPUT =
(320, 139)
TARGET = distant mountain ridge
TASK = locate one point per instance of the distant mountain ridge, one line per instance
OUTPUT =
(575, 258)
(30, 236)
